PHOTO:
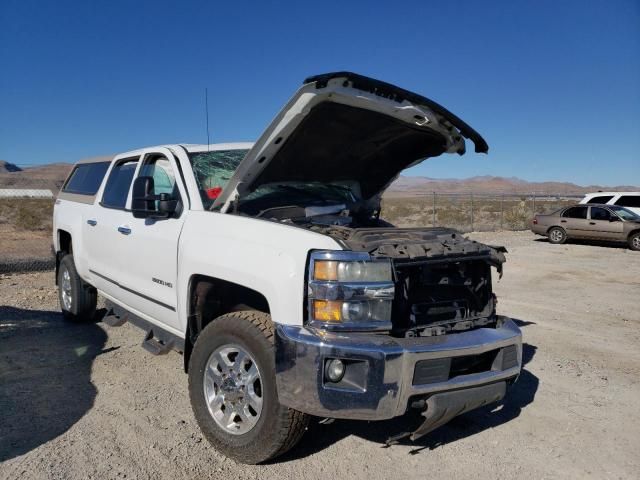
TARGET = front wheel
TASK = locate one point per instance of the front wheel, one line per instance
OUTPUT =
(634, 241)
(77, 298)
(232, 387)
(557, 235)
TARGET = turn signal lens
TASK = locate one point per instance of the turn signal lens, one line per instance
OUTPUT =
(325, 270)
(327, 311)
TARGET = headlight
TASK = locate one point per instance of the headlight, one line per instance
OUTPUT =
(350, 291)
(352, 271)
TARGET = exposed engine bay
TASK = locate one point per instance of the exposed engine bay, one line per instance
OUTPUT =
(442, 279)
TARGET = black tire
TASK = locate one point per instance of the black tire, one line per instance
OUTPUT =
(634, 241)
(278, 428)
(81, 306)
(557, 235)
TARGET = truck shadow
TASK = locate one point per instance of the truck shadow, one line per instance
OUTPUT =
(45, 373)
(518, 397)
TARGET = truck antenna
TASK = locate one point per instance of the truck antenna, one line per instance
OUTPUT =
(206, 108)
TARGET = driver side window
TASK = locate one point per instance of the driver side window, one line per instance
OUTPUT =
(164, 180)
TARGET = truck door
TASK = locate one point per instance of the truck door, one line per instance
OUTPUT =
(100, 224)
(148, 247)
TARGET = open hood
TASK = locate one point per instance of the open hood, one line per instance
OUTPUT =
(346, 127)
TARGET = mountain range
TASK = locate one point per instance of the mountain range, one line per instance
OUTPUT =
(53, 175)
(411, 186)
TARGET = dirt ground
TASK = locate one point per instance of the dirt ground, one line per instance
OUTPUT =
(85, 401)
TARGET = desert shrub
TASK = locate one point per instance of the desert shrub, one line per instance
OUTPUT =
(27, 213)
(451, 216)
(517, 216)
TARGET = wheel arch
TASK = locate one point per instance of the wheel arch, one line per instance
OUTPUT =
(65, 247)
(210, 297)
(632, 233)
(556, 226)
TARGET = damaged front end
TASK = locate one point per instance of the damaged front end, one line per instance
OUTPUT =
(393, 318)
(442, 280)
(440, 348)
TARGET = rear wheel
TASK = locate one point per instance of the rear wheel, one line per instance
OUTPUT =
(77, 298)
(557, 235)
(634, 241)
(232, 386)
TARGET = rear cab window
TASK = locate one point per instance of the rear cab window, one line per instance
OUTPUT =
(632, 201)
(600, 199)
(86, 178)
(116, 191)
(575, 212)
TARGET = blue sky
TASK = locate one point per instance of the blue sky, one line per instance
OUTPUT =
(554, 86)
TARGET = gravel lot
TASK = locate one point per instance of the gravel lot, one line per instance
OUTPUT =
(85, 401)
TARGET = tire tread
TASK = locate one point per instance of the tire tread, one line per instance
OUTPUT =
(291, 424)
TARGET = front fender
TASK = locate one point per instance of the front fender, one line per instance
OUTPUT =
(268, 257)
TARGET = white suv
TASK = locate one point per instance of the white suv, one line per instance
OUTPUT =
(628, 200)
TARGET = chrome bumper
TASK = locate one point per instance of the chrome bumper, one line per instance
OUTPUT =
(386, 368)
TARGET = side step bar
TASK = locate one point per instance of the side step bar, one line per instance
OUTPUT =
(113, 320)
(157, 340)
(155, 346)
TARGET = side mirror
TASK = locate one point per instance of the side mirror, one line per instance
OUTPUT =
(143, 202)
(613, 218)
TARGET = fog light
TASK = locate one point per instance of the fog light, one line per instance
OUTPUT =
(334, 370)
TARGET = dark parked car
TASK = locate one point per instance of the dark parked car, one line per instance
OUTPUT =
(593, 222)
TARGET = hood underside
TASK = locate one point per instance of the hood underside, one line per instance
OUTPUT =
(344, 127)
(337, 142)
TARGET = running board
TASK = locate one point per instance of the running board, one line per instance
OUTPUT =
(157, 340)
(113, 320)
(154, 346)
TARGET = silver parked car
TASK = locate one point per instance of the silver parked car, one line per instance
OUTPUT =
(593, 222)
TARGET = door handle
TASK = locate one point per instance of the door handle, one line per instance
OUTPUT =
(124, 230)
(592, 223)
(563, 221)
(92, 222)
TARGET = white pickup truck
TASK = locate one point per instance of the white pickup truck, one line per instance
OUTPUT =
(268, 266)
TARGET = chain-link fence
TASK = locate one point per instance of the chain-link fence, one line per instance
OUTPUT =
(26, 216)
(26, 208)
(470, 212)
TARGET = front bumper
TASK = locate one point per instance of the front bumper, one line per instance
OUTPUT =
(386, 372)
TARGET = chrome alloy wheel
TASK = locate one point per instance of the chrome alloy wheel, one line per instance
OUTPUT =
(233, 389)
(636, 242)
(65, 289)
(556, 236)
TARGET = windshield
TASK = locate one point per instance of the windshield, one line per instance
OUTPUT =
(623, 213)
(213, 170)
